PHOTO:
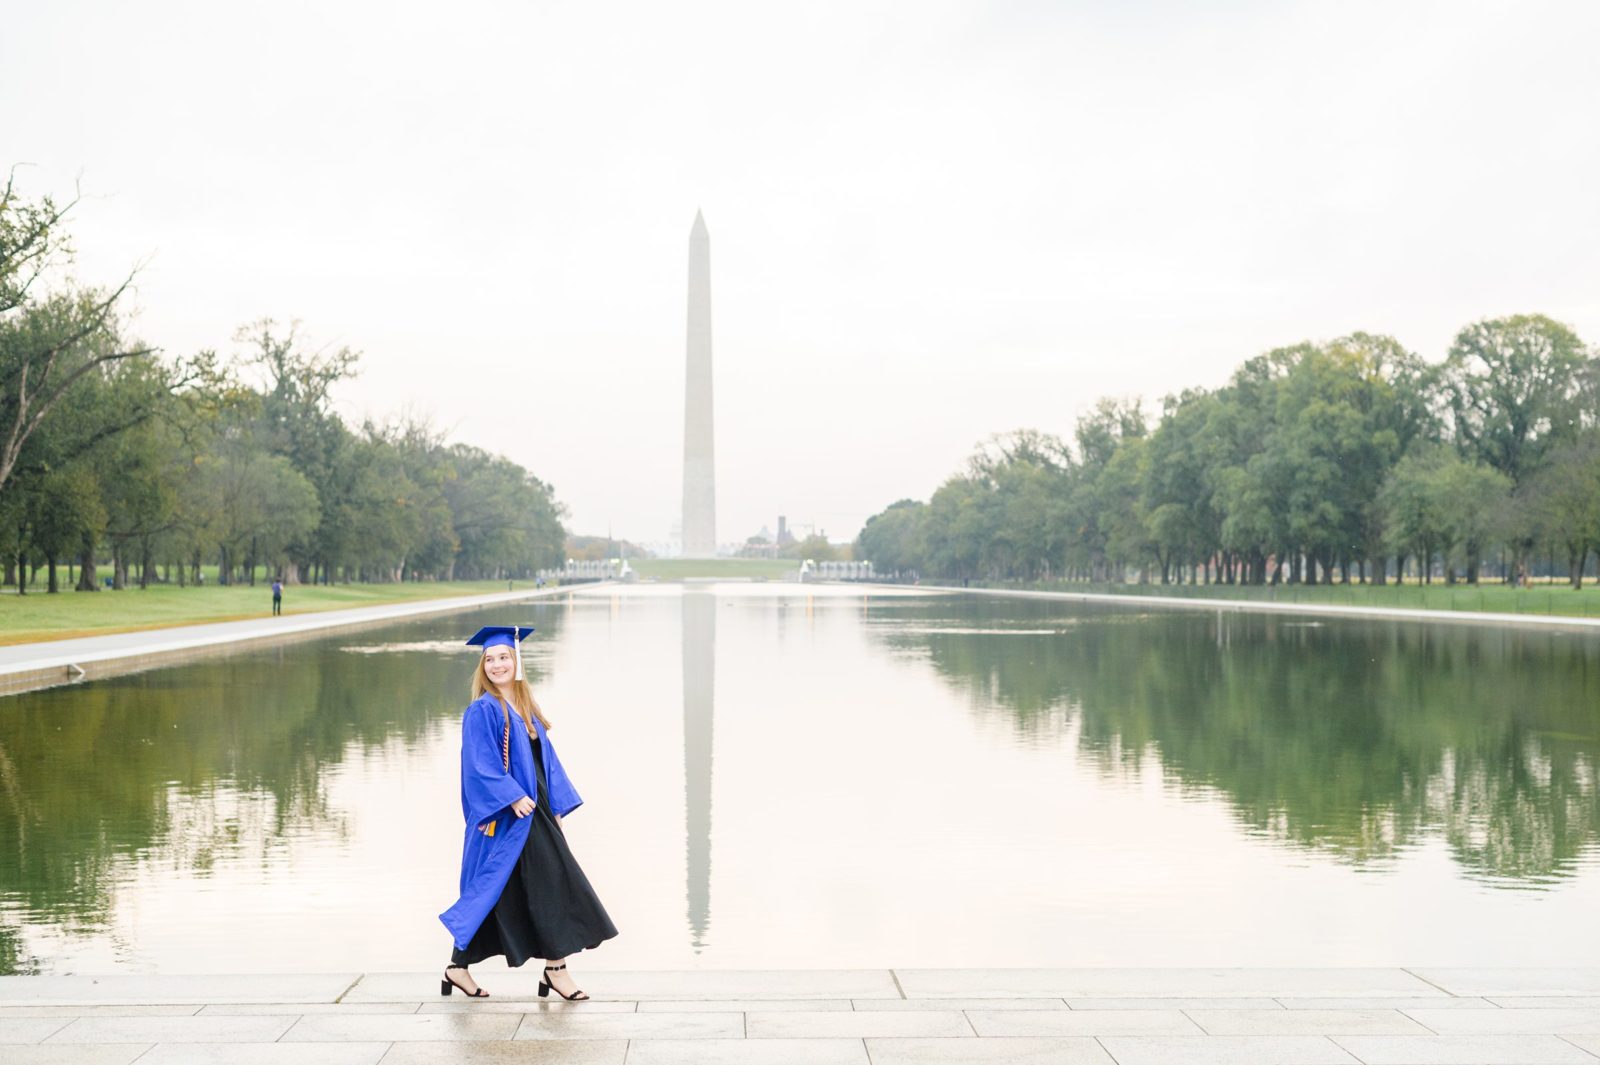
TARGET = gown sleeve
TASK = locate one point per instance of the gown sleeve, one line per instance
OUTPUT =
(486, 787)
(564, 798)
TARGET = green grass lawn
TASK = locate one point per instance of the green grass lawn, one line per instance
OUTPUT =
(37, 616)
(1553, 598)
(677, 569)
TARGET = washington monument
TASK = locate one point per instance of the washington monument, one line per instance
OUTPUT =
(699, 465)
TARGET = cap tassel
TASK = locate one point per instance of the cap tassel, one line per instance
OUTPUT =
(517, 638)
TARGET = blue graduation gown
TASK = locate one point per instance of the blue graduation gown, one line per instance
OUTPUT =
(487, 792)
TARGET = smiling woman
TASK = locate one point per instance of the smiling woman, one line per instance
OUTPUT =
(523, 894)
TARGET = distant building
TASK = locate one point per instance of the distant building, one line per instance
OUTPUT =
(764, 545)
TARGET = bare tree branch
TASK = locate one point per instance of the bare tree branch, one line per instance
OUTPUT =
(35, 369)
(29, 246)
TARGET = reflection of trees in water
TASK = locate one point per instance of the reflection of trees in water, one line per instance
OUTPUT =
(1359, 738)
(13, 960)
(196, 764)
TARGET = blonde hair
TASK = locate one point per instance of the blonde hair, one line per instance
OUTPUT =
(522, 699)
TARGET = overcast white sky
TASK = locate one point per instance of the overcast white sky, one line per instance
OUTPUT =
(929, 221)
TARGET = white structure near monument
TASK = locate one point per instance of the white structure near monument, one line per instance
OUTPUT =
(699, 462)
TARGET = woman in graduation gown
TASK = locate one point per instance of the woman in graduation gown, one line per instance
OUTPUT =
(522, 893)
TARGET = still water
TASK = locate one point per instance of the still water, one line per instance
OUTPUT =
(783, 776)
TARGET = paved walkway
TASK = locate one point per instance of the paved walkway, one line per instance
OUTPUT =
(33, 665)
(864, 1017)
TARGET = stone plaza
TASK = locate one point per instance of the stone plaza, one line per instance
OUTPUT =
(1370, 1016)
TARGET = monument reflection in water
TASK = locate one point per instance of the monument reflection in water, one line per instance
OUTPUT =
(699, 705)
(899, 779)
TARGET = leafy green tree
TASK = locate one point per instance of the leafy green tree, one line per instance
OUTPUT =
(382, 514)
(892, 540)
(1249, 470)
(1342, 414)
(1111, 421)
(1178, 497)
(258, 502)
(1251, 516)
(1095, 502)
(69, 519)
(1475, 501)
(507, 521)
(1016, 487)
(296, 420)
(1563, 498)
(141, 498)
(958, 525)
(1119, 493)
(17, 512)
(421, 452)
(1032, 501)
(1515, 388)
(1414, 523)
(1385, 397)
(1438, 504)
(135, 465)
(814, 547)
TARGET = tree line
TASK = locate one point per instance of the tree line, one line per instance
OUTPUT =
(112, 456)
(1348, 461)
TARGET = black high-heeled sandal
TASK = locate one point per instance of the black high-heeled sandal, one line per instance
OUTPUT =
(448, 985)
(545, 986)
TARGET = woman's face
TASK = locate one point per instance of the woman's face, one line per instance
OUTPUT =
(500, 663)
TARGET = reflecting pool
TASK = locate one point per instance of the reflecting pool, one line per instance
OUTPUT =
(790, 776)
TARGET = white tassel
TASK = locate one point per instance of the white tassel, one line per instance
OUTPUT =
(517, 638)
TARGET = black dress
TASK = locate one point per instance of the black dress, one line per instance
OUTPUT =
(547, 908)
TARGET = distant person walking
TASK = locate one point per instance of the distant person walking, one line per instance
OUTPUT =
(522, 893)
(277, 597)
